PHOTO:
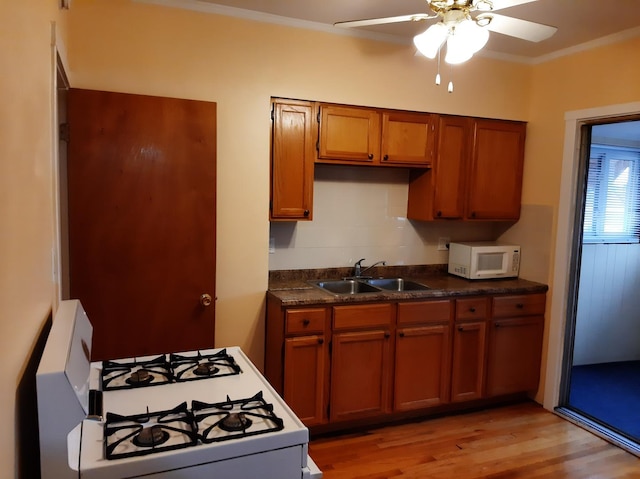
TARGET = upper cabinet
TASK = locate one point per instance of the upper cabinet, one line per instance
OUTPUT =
(462, 168)
(495, 174)
(292, 157)
(369, 136)
(477, 173)
(349, 134)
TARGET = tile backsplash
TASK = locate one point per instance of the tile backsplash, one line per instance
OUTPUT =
(360, 212)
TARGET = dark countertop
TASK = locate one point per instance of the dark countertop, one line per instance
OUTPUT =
(292, 287)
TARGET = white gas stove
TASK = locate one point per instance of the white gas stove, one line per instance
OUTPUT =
(191, 414)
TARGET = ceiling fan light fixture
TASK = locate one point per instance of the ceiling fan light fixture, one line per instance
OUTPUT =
(474, 37)
(429, 42)
(457, 50)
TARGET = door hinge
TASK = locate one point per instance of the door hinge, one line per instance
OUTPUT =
(317, 145)
(318, 115)
(273, 112)
(63, 132)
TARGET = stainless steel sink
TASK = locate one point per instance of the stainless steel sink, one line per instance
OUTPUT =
(396, 284)
(346, 286)
(358, 286)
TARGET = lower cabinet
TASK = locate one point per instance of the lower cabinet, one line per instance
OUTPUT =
(333, 364)
(515, 344)
(360, 361)
(360, 374)
(423, 355)
(467, 373)
(305, 364)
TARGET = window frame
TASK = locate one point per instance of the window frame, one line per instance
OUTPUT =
(608, 153)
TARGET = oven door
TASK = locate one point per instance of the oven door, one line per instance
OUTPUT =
(277, 464)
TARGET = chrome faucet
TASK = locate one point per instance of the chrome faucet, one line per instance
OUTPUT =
(358, 271)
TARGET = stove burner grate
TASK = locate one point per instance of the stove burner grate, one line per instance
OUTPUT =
(142, 434)
(189, 367)
(132, 373)
(233, 419)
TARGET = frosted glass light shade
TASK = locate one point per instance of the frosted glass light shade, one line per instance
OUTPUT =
(464, 40)
(429, 42)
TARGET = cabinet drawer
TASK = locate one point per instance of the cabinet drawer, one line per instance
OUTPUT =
(520, 305)
(361, 316)
(472, 308)
(304, 321)
(424, 312)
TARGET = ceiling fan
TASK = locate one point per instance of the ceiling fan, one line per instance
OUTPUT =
(464, 25)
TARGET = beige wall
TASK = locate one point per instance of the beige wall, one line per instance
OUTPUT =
(26, 213)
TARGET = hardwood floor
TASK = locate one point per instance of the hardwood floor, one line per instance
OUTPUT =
(517, 441)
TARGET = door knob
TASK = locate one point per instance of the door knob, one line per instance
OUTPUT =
(205, 299)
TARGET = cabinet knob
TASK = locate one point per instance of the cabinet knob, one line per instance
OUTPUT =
(305, 322)
(473, 310)
(385, 157)
(387, 334)
(473, 214)
(497, 325)
(320, 341)
(520, 306)
(306, 213)
(460, 328)
(370, 156)
(439, 213)
(401, 334)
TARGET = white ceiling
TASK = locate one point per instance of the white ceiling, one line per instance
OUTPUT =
(578, 21)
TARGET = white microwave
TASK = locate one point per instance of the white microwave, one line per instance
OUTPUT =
(484, 260)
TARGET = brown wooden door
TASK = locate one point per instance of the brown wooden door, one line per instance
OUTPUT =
(142, 182)
(305, 365)
(495, 176)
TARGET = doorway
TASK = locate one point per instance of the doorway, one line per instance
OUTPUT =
(600, 387)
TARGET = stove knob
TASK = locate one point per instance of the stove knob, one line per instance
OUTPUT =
(205, 299)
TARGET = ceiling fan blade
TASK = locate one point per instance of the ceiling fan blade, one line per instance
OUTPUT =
(500, 4)
(514, 27)
(380, 21)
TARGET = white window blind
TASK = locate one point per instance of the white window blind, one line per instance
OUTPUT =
(613, 185)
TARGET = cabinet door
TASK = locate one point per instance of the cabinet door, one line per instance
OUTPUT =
(495, 177)
(349, 134)
(422, 367)
(407, 139)
(513, 355)
(454, 135)
(305, 362)
(360, 371)
(468, 361)
(292, 160)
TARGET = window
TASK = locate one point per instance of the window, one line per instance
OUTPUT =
(613, 190)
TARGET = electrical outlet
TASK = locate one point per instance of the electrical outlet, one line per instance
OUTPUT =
(443, 244)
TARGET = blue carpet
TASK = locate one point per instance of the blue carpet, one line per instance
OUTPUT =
(609, 393)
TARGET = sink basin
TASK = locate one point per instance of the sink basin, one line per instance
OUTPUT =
(396, 284)
(346, 286)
